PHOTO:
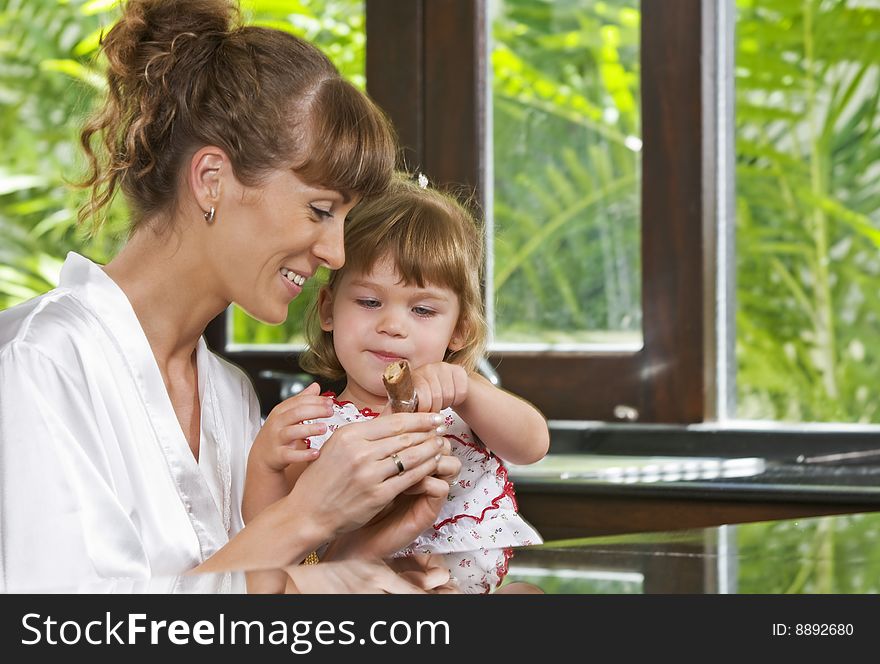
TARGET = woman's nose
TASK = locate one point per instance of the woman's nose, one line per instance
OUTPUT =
(330, 247)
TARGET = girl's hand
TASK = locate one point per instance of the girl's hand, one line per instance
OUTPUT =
(281, 440)
(440, 385)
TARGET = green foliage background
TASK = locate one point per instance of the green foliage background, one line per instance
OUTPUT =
(808, 229)
(567, 168)
(50, 79)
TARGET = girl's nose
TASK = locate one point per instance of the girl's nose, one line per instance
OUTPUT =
(391, 324)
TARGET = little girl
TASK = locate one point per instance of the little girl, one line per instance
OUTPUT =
(410, 290)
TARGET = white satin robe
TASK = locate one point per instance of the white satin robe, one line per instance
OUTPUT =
(97, 480)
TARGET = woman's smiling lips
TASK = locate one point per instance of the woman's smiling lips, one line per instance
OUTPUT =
(292, 289)
(292, 281)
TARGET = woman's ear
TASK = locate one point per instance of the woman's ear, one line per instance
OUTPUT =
(325, 309)
(208, 167)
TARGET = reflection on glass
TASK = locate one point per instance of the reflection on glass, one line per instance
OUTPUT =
(807, 224)
(337, 27)
(825, 555)
(830, 554)
(817, 555)
(565, 266)
(578, 581)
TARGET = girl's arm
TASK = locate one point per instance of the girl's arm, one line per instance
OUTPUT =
(280, 442)
(507, 424)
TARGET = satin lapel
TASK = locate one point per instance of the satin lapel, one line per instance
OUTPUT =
(88, 280)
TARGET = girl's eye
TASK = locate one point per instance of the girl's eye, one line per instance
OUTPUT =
(321, 214)
(424, 312)
(368, 302)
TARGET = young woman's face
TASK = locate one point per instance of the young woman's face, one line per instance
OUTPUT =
(273, 238)
(377, 319)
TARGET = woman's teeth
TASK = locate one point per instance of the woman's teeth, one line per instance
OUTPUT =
(292, 276)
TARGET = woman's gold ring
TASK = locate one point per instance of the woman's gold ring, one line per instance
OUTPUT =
(401, 469)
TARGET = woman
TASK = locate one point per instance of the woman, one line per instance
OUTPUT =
(124, 442)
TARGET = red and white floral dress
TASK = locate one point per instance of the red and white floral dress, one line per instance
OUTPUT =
(479, 523)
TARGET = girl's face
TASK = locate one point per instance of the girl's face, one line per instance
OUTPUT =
(272, 238)
(377, 319)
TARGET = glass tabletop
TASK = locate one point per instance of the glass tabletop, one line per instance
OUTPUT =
(829, 554)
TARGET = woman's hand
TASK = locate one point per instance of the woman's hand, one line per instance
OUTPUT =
(352, 576)
(358, 472)
(404, 520)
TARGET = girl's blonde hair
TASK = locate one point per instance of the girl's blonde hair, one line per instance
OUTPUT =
(182, 75)
(432, 239)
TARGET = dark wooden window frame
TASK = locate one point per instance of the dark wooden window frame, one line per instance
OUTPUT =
(426, 66)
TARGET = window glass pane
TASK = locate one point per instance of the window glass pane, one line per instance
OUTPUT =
(566, 265)
(807, 201)
(337, 27)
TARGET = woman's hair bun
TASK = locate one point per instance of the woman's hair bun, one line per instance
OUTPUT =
(149, 30)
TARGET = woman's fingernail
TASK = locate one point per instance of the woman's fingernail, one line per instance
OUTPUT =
(436, 419)
(441, 429)
(437, 458)
(439, 441)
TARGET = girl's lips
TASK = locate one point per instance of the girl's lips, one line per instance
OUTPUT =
(384, 357)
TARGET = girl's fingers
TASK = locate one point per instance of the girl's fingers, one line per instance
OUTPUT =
(295, 432)
(423, 392)
(436, 393)
(312, 390)
(430, 393)
(310, 408)
(292, 455)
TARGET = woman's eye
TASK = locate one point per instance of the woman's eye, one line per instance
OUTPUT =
(368, 303)
(321, 214)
